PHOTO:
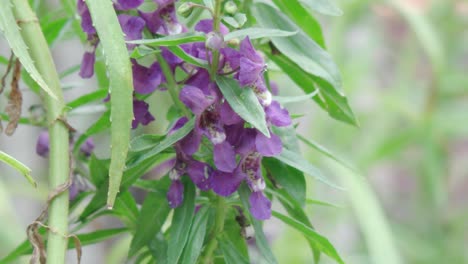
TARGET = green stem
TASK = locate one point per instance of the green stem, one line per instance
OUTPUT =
(216, 25)
(217, 230)
(58, 132)
(172, 85)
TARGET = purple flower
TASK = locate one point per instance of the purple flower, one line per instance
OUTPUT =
(132, 27)
(206, 26)
(163, 20)
(268, 147)
(86, 22)
(200, 173)
(224, 157)
(141, 113)
(87, 64)
(277, 115)
(225, 183)
(73, 191)
(251, 63)
(128, 4)
(175, 195)
(195, 99)
(42, 145)
(146, 80)
(87, 147)
(260, 206)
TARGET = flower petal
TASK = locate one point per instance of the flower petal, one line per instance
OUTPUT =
(195, 99)
(200, 173)
(225, 183)
(277, 115)
(224, 157)
(268, 146)
(260, 206)
(175, 194)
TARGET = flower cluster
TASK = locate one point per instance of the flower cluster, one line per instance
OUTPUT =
(237, 149)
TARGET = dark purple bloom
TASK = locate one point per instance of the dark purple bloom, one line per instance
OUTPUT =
(231, 59)
(132, 27)
(42, 145)
(251, 63)
(206, 26)
(225, 183)
(87, 147)
(268, 147)
(200, 173)
(260, 206)
(87, 64)
(141, 113)
(146, 80)
(86, 22)
(163, 20)
(195, 99)
(175, 195)
(224, 157)
(128, 4)
(227, 115)
(190, 143)
(277, 115)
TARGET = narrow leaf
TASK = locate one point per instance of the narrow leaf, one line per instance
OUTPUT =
(17, 165)
(326, 7)
(179, 52)
(181, 224)
(154, 212)
(325, 245)
(294, 99)
(121, 87)
(256, 33)
(244, 102)
(196, 237)
(230, 253)
(297, 161)
(172, 40)
(9, 27)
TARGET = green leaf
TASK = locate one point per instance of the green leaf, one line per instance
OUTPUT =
(88, 98)
(142, 51)
(158, 248)
(325, 152)
(310, 25)
(331, 101)
(230, 253)
(163, 144)
(179, 52)
(294, 99)
(100, 125)
(172, 40)
(9, 27)
(244, 102)
(260, 238)
(98, 170)
(300, 48)
(325, 245)
(326, 7)
(256, 33)
(53, 29)
(181, 224)
(297, 161)
(25, 248)
(119, 70)
(153, 214)
(291, 179)
(17, 165)
(145, 142)
(126, 207)
(196, 237)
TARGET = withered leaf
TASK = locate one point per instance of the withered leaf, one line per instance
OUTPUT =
(15, 101)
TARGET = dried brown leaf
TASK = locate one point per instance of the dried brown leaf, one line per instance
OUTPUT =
(15, 101)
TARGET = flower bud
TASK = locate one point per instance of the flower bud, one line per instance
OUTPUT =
(214, 41)
(185, 9)
(230, 7)
(42, 145)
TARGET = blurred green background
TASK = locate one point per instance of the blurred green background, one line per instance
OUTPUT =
(405, 72)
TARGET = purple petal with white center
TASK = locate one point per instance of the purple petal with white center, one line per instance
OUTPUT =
(268, 147)
(42, 145)
(195, 99)
(224, 157)
(128, 4)
(87, 64)
(200, 173)
(260, 206)
(153, 20)
(146, 80)
(225, 183)
(175, 194)
(206, 26)
(141, 114)
(231, 59)
(87, 147)
(277, 115)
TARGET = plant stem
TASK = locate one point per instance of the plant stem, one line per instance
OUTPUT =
(216, 25)
(172, 85)
(58, 132)
(217, 229)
